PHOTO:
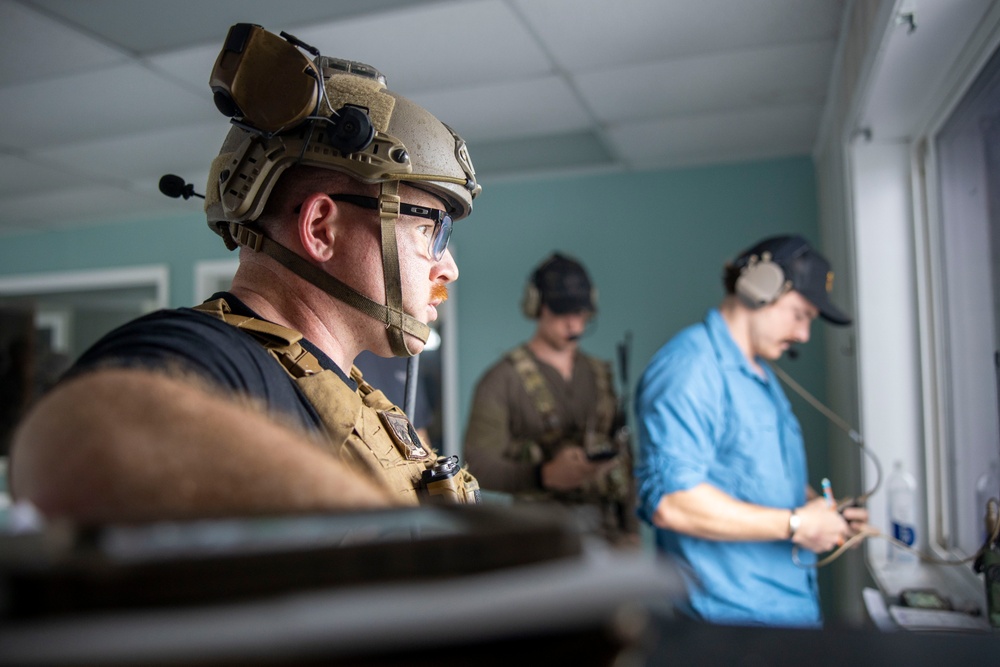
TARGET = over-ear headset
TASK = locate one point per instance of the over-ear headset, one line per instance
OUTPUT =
(532, 299)
(267, 85)
(761, 280)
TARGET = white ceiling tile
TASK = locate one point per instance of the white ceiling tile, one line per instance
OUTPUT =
(506, 110)
(596, 34)
(145, 156)
(33, 47)
(153, 26)
(485, 43)
(705, 138)
(101, 103)
(191, 66)
(792, 74)
(436, 47)
(98, 100)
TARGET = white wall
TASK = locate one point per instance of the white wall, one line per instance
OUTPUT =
(888, 340)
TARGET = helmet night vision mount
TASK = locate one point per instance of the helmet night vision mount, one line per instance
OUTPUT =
(267, 85)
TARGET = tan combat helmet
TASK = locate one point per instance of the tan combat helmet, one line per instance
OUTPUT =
(333, 114)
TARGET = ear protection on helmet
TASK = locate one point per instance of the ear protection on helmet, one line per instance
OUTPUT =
(761, 279)
(267, 85)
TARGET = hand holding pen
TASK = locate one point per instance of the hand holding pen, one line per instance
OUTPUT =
(828, 492)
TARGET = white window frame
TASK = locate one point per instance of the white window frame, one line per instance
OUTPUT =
(156, 276)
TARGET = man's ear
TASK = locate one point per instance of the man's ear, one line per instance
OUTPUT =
(315, 226)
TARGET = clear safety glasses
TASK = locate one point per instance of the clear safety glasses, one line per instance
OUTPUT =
(438, 241)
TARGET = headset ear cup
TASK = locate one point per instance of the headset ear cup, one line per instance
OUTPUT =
(760, 282)
(352, 132)
(531, 301)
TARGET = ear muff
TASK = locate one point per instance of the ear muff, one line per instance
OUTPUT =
(761, 281)
(531, 301)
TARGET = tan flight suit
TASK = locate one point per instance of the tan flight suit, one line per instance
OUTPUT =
(363, 428)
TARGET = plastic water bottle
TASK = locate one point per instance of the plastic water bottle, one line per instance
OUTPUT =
(902, 514)
(987, 486)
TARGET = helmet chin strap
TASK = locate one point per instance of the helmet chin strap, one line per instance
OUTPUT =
(396, 325)
(391, 314)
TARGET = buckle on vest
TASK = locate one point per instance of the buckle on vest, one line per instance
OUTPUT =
(405, 438)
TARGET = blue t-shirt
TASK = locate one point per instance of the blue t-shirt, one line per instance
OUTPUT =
(191, 341)
(705, 416)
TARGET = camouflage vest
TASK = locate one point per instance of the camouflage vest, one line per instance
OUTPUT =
(363, 428)
(608, 492)
(534, 384)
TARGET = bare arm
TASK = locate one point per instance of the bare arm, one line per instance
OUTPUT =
(705, 511)
(132, 445)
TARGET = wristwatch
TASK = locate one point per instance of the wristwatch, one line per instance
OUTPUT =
(793, 523)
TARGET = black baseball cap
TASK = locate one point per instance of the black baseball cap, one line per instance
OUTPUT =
(563, 285)
(807, 270)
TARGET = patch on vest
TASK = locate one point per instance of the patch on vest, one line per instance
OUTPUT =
(402, 433)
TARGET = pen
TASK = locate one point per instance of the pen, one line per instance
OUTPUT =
(827, 491)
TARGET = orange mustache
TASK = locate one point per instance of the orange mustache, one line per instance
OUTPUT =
(439, 291)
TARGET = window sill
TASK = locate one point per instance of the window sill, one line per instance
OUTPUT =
(958, 583)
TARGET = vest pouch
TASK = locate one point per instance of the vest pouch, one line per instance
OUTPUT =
(446, 482)
(471, 485)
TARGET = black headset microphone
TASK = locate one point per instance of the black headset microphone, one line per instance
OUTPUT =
(174, 186)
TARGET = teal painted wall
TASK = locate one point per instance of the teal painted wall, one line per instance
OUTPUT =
(179, 242)
(654, 243)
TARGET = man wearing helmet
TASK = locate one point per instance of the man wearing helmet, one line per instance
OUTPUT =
(722, 467)
(544, 423)
(341, 197)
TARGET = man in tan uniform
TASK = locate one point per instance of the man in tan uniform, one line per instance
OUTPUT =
(341, 196)
(544, 420)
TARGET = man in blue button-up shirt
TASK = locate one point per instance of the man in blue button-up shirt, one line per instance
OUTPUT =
(722, 468)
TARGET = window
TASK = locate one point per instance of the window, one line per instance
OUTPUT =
(964, 240)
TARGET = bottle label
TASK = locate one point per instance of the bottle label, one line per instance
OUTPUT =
(904, 533)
